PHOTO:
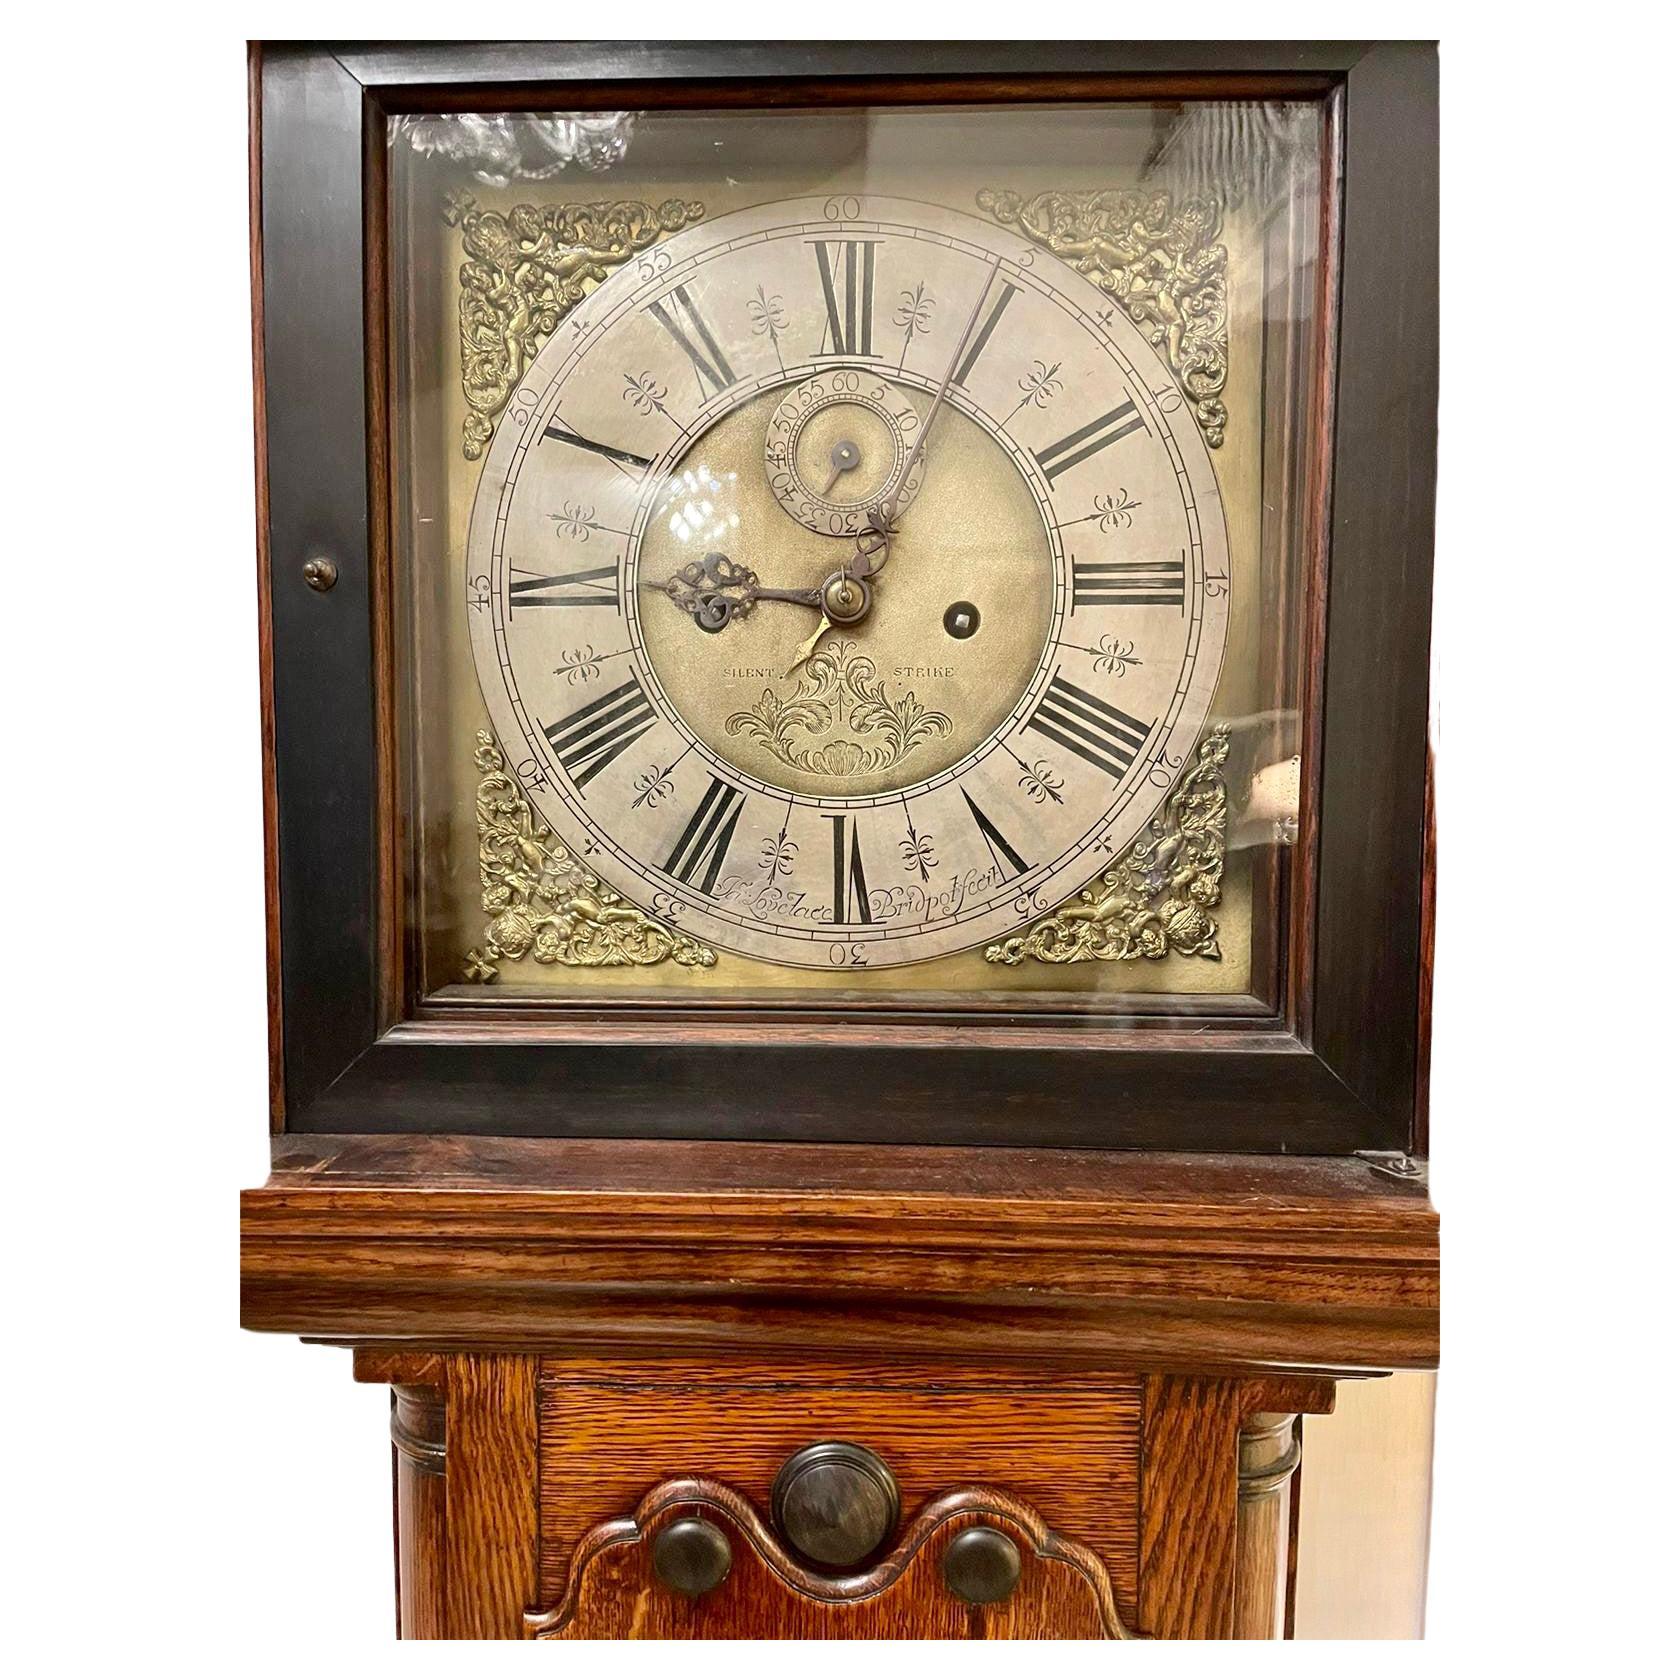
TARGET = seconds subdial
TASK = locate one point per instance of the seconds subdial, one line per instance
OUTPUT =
(834, 445)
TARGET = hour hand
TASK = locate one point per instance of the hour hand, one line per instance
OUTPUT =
(717, 590)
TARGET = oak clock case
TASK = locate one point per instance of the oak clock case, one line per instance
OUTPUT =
(849, 853)
(854, 558)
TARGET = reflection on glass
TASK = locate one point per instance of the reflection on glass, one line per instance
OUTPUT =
(856, 553)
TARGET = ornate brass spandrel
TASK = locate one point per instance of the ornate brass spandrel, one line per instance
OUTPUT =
(543, 903)
(525, 268)
(1155, 901)
(1160, 257)
(839, 690)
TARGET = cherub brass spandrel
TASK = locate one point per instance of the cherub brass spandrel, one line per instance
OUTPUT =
(543, 903)
(1160, 257)
(525, 268)
(1154, 902)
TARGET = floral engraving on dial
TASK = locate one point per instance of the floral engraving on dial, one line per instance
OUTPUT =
(1156, 899)
(838, 689)
(1162, 259)
(914, 317)
(525, 268)
(545, 905)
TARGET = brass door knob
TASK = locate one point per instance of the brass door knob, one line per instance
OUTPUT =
(691, 1556)
(982, 1566)
(834, 1503)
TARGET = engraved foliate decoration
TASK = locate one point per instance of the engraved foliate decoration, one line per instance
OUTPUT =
(1160, 257)
(543, 903)
(1154, 902)
(524, 269)
(839, 690)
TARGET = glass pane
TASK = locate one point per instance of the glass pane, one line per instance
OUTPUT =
(856, 554)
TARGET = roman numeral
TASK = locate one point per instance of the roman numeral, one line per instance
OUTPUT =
(1113, 426)
(1101, 734)
(994, 838)
(708, 358)
(620, 458)
(700, 848)
(848, 284)
(851, 890)
(1128, 583)
(596, 587)
(987, 327)
(593, 736)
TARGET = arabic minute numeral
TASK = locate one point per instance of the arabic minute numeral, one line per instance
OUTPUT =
(531, 774)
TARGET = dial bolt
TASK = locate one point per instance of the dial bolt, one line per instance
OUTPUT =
(845, 599)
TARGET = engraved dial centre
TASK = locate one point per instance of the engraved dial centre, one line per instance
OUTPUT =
(888, 698)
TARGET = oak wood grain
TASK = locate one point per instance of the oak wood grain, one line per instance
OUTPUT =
(611, 1592)
(1065, 1442)
(1187, 1508)
(418, 1454)
(1268, 1453)
(1199, 1262)
(393, 1364)
(491, 1545)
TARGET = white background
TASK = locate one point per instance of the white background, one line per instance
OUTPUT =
(205, 1495)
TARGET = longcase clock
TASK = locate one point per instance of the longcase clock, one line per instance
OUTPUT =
(845, 633)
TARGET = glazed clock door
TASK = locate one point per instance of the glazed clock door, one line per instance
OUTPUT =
(848, 618)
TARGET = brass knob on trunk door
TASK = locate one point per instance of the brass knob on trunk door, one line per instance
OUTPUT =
(834, 1503)
(691, 1556)
(982, 1566)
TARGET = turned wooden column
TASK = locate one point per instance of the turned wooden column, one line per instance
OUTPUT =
(1268, 1451)
(417, 1467)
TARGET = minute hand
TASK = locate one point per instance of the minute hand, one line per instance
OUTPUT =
(889, 506)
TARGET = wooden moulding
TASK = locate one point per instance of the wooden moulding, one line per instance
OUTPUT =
(1063, 1588)
(1140, 1261)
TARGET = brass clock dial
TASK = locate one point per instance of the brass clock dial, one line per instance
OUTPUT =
(830, 645)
